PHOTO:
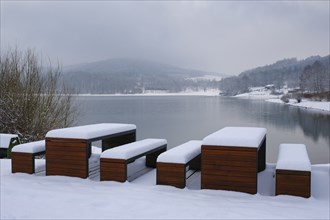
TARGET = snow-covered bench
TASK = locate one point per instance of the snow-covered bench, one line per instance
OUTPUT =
(114, 161)
(172, 164)
(23, 155)
(7, 141)
(232, 158)
(293, 171)
(68, 149)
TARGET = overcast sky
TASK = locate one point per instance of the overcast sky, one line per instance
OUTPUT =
(218, 36)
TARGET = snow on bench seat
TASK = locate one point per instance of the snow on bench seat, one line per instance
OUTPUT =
(293, 157)
(172, 164)
(23, 156)
(236, 137)
(133, 149)
(293, 171)
(31, 147)
(182, 153)
(90, 131)
(114, 161)
(232, 158)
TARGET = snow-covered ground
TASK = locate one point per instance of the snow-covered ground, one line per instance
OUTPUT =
(258, 93)
(37, 196)
(207, 92)
(307, 104)
(265, 94)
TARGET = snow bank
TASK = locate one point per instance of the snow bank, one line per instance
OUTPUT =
(182, 153)
(293, 157)
(307, 104)
(5, 139)
(90, 131)
(236, 136)
(31, 147)
(132, 149)
(38, 196)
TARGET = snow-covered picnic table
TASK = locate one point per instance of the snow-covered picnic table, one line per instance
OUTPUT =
(68, 149)
(7, 141)
(232, 158)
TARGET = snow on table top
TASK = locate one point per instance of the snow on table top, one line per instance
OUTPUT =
(182, 153)
(293, 157)
(5, 139)
(90, 131)
(236, 137)
(32, 147)
(132, 149)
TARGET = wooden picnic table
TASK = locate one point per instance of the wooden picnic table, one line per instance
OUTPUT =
(68, 149)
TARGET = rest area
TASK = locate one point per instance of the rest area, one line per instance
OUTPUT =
(230, 159)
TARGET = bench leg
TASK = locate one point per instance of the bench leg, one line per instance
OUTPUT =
(118, 140)
(113, 170)
(262, 156)
(151, 159)
(172, 174)
(195, 164)
(22, 162)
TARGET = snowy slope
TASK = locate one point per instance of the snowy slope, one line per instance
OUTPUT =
(38, 196)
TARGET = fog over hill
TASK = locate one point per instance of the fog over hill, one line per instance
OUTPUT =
(135, 76)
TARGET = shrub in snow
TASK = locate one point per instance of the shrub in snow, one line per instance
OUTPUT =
(32, 99)
(285, 98)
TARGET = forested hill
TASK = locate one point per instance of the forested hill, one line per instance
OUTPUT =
(289, 72)
(134, 76)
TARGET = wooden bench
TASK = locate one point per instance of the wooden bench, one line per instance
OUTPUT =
(68, 149)
(232, 158)
(293, 171)
(23, 156)
(173, 164)
(113, 165)
(7, 142)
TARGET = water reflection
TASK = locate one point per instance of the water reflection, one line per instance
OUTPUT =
(179, 119)
(314, 124)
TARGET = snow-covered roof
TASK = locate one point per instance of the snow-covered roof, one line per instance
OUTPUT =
(236, 137)
(132, 149)
(90, 131)
(182, 153)
(31, 147)
(293, 157)
(5, 139)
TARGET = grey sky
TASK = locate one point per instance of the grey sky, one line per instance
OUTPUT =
(225, 37)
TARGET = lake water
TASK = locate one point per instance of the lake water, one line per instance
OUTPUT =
(182, 118)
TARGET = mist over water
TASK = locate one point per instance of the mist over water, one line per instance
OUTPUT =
(180, 119)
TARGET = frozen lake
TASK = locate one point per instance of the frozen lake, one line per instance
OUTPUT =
(183, 118)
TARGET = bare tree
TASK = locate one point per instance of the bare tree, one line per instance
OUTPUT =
(32, 102)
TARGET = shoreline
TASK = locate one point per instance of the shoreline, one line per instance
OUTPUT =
(319, 106)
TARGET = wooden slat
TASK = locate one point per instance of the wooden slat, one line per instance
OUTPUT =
(246, 189)
(66, 156)
(22, 162)
(229, 148)
(229, 163)
(107, 172)
(229, 168)
(296, 183)
(171, 174)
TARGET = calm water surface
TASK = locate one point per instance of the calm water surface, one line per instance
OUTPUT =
(179, 119)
